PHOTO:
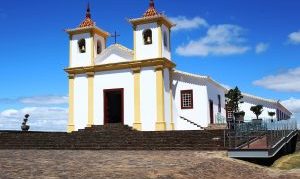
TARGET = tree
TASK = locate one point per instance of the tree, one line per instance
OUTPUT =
(233, 99)
(257, 110)
(271, 114)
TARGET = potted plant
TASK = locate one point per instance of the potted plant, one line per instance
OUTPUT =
(239, 116)
(257, 110)
(24, 126)
(271, 114)
(233, 99)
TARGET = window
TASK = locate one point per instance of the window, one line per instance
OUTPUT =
(219, 103)
(165, 39)
(229, 113)
(147, 34)
(187, 99)
(81, 46)
(99, 47)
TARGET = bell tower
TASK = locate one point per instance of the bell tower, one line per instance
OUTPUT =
(86, 42)
(152, 35)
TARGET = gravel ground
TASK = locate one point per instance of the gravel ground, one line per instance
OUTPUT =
(130, 164)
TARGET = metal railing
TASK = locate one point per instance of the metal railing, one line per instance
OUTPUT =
(265, 133)
(220, 119)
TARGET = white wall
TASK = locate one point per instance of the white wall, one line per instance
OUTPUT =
(81, 59)
(148, 99)
(199, 113)
(80, 101)
(167, 99)
(113, 54)
(213, 92)
(166, 51)
(146, 51)
(112, 80)
(249, 102)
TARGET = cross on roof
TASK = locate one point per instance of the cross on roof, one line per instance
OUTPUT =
(115, 36)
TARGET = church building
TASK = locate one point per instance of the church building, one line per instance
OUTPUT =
(140, 87)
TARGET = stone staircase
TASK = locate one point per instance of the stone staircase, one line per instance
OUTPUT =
(114, 137)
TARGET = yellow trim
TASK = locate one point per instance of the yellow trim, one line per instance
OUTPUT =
(71, 126)
(137, 101)
(90, 76)
(160, 41)
(171, 98)
(123, 65)
(92, 49)
(145, 20)
(160, 121)
(94, 30)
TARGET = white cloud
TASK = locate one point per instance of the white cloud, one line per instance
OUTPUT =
(261, 47)
(183, 23)
(288, 81)
(38, 100)
(9, 113)
(292, 104)
(294, 37)
(223, 39)
(44, 100)
(41, 118)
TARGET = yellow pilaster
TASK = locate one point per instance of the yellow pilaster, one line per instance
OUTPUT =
(171, 98)
(160, 121)
(159, 40)
(71, 126)
(137, 99)
(90, 76)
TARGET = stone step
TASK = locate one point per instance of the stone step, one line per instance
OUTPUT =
(114, 137)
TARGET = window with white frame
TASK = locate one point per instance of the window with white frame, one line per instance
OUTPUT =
(187, 99)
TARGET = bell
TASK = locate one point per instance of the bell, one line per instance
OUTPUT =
(149, 39)
(83, 48)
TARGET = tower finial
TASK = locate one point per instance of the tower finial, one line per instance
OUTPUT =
(88, 22)
(152, 3)
(88, 11)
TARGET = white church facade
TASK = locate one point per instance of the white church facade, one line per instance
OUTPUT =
(141, 87)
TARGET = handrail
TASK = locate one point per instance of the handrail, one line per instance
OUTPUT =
(273, 131)
(191, 122)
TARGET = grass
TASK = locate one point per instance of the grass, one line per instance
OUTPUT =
(288, 162)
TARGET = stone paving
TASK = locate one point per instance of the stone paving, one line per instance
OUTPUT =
(130, 164)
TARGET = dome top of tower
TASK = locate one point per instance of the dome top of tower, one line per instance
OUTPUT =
(88, 22)
(151, 11)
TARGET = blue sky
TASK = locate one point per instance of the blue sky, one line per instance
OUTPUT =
(252, 44)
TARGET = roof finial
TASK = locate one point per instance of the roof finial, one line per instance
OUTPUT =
(88, 22)
(88, 11)
(152, 3)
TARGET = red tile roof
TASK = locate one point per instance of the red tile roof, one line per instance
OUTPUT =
(88, 22)
(151, 11)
